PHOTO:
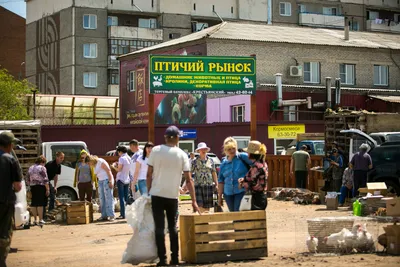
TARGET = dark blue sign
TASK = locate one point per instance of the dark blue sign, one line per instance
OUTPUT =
(188, 133)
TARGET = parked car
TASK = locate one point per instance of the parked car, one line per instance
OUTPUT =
(385, 160)
(317, 146)
(383, 137)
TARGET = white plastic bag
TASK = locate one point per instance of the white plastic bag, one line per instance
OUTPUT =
(245, 203)
(21, 213)
(142, 246)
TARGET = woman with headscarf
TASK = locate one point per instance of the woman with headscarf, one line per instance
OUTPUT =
(255, 180)
(38, 181)
(84, 177)
(234, 166)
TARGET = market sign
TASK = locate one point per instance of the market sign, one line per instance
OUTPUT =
(289, 131)
(202, 75)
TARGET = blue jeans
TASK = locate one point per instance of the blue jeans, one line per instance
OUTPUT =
(344, 191)
(123, 193)
(106, 199)
(142, 187)
(233, 201)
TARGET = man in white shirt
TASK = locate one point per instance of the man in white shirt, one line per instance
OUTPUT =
(166, 164)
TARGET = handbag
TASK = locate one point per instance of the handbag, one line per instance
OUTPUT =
(245, 203)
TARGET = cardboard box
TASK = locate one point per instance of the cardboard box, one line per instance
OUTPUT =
(393, 207)
(375, 189)
(393, 239)
(332, 203)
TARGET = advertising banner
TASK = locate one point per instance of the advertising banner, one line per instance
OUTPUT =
(202, 75)
(289, 131)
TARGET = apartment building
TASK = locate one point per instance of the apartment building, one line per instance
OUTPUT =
(12, 43)
(363, 15)
(72, 45)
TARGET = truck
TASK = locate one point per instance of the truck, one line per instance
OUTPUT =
(315, 141)
(350, 129)
(29, 134)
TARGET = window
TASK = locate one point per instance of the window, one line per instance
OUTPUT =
(238, 114)
(71, 154)
(285, 9)
(113, 77)
(90, 79)
(242, 141)
(90, 22)
(354, 26)
(112, 21)
(132, 81)
(347, 75)
(372, 15)
(330, 11)
(290, 113)
(381, 75)
(90, 50)
(200, 26)
(120, 47)
(148, 23)
(302, 9)
(311, 72)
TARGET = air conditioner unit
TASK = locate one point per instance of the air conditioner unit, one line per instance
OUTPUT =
(296, 71)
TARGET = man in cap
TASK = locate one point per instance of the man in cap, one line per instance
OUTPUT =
(300, 164)
(10, 183)
(166, 164)
(360, 163)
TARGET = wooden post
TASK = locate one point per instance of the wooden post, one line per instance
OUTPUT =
(253, 117)
(151, 119)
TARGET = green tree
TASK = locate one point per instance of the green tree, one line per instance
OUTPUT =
(12, 97)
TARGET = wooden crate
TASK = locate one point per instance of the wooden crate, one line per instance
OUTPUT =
(223, 237)
(79, 212)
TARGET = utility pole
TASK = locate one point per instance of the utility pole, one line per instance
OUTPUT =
(34, 91)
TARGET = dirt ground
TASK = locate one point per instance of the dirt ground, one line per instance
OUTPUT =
(102, 244)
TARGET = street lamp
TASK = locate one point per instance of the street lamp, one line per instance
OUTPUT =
(34, 91)
(20, 70)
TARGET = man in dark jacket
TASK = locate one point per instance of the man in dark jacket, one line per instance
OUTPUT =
(10, 182)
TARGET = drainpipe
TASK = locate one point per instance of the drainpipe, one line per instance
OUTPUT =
(337, 91)
(328, 92)
(73, 83)
(269, 12)
(346, 28)
(278, 77)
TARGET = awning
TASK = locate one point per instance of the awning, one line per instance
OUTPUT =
(391, 99)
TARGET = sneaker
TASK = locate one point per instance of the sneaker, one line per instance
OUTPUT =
(101, 219)
(111, 218)
(162, 263)
(35, 223)
(121, 218)
(41, 222)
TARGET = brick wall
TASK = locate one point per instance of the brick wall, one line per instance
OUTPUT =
(278, 57)
(12, 42)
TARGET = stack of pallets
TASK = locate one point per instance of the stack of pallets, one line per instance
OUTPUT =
(79, 212)
(222, 237)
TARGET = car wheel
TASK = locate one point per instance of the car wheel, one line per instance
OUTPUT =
(66, 195)
(392, 187)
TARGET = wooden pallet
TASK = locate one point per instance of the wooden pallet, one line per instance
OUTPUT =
(223, 237)
(79, 212)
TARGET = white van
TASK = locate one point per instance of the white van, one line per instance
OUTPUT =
(71, 150)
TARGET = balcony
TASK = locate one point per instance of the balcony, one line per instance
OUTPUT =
(382, 26)
(126, 32)
(320, 20)
(113, 90)
(113, 63)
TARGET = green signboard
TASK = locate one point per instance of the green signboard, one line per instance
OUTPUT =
(202, 75)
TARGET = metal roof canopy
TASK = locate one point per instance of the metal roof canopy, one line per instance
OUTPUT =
(73, 109)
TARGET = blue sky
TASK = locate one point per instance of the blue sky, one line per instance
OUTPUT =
(16, 6)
